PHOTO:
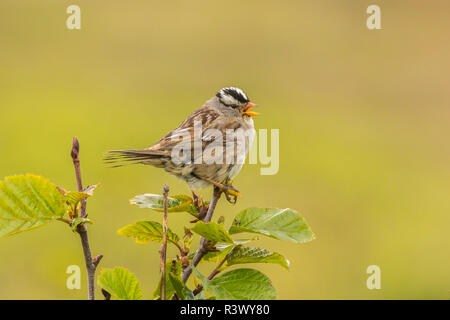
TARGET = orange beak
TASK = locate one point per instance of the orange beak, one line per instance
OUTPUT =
(248, 112)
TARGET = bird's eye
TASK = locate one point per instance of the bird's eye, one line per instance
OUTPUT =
(234, 106)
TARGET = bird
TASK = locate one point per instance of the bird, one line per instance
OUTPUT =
(208, 148)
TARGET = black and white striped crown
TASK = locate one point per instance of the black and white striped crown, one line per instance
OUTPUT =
(232, 96)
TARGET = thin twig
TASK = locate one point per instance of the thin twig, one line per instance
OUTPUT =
(182, 252)
(211, 276)
(96, 260)
(203, 246)
(216, 270)
(75, 153)
(65, 220)
(91, 264)
(163, 250)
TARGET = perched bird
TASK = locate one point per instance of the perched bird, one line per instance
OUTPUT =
(208, 148)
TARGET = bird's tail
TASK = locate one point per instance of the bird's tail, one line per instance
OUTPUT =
(119, 158)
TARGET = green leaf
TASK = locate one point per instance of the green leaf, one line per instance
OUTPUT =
(73, 197)
(200, 296)
(178, 286)
(120, 283)
(90, 190)
(189, 294)
(222, 250)
(216, 256)
(212, 231)
(182, 291)
(145, 231)
(239, 284)
(27, 202)
(177, 203)
(172, 267)
(282, 224)
(187, 239)
(243, 254)
(77, 221)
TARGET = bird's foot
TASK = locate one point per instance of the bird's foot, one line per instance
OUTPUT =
(231, 193)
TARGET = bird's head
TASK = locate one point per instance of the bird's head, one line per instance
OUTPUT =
(236, 98)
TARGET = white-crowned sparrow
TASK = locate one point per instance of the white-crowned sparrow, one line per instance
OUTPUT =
(208, 148)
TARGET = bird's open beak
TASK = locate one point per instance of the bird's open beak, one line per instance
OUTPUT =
(248, 112)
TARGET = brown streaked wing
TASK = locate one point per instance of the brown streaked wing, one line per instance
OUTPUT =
(206, 115)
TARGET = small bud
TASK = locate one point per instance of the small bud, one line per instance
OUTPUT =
(106, 294)
(187, 233)
(165, 190)
(221, 220)
(96, 260)
(211, 245)
(61, 190)
(184, 261)
(75, 148)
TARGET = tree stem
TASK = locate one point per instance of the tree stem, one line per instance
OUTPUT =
(203, 246)
(91, 264)
(163, 250)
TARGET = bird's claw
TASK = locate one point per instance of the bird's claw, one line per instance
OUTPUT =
(231, 193)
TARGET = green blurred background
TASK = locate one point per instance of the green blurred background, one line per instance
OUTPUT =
(363, 118)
